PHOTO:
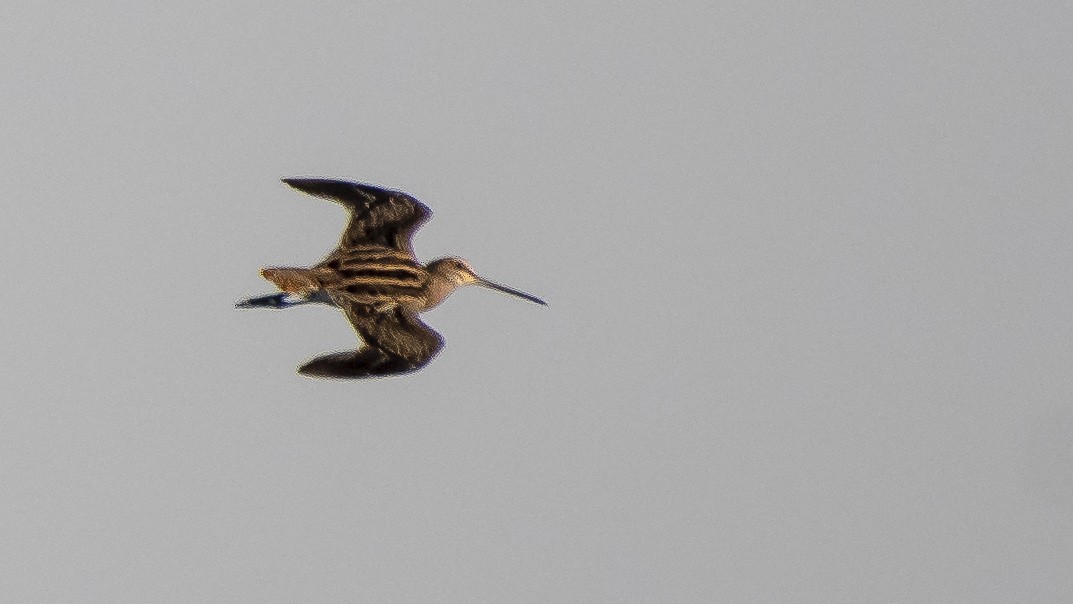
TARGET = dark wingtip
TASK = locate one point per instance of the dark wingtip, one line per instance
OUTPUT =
(317, 187)
(300, 182)
(339, 190)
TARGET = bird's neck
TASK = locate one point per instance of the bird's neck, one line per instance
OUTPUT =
(439, 287)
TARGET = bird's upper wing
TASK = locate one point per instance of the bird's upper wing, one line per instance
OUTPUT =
(396, 341)
(377, 216)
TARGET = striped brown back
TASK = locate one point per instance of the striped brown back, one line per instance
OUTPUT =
(374, 274)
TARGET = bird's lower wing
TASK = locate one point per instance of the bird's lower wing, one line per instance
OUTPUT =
(395, 342)
(353, 364)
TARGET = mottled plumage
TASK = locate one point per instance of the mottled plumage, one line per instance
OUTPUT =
(374, 278)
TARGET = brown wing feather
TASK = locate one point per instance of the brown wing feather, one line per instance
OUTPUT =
(377, 216)
(396, 332)
(396, 341)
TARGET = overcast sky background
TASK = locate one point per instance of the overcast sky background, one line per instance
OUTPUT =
(809, 280)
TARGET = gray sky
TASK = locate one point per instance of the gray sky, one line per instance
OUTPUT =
(809, 275)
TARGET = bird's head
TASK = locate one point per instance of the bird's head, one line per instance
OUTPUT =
(458, 272)
(455, 270)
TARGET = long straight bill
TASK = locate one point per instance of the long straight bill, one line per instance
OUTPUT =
(508, 290)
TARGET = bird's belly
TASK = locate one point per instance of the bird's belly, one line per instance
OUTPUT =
(380, 296)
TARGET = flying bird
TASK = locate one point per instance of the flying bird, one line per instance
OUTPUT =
(375, 279)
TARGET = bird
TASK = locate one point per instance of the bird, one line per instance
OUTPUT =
(373, 277)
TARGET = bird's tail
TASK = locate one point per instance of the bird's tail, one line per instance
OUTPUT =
(299, 281)
(297, 286)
